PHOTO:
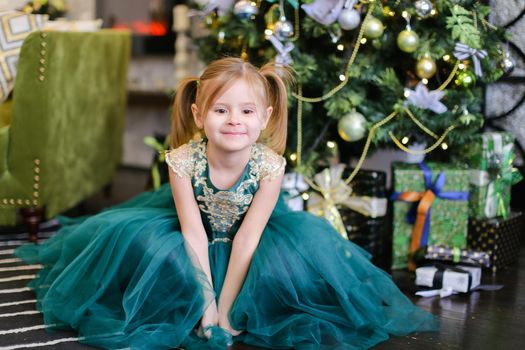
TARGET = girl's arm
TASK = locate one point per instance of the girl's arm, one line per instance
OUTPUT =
(244, 244)
(193, 232)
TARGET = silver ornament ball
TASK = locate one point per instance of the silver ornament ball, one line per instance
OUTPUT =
(283, 29)
(352, 127)
(349, 19)
(245, 9)
(507, 65)
(423, 8)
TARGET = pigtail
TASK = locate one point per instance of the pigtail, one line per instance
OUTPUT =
(183, 127)
(277, 77)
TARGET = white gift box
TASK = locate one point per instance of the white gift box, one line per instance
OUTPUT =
(459, 278)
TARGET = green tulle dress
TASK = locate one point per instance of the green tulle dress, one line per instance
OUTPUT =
(124, 278)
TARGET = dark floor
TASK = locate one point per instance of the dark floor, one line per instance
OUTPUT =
(480, 320)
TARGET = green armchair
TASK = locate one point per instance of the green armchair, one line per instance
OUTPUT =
(61, 134)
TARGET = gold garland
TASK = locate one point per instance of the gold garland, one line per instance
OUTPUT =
(348, 66)
(426, 150)
(300, 99)
(418, 123)
(367, 145)
(450, 77)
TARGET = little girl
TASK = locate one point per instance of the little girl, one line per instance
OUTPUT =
(228, 259)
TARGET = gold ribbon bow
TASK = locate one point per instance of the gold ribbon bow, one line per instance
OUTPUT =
(333, 191)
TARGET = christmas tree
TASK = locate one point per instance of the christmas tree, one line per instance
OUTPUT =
(392, 72)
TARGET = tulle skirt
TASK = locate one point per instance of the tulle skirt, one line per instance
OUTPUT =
(125, 279)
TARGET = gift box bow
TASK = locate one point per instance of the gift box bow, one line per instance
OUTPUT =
(499, 174)
(333, 191)
(420, 213)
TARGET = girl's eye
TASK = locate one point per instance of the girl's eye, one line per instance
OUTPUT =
(247, 111)
(220, 110)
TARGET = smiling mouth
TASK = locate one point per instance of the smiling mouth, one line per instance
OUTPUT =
(234, 133)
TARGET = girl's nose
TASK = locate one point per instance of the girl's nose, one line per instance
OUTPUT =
(234, 118)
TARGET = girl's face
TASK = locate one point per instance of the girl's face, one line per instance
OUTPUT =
(235, 120)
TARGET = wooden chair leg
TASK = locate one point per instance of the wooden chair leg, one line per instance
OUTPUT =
(32, 218)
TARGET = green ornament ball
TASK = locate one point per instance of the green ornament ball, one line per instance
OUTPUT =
(373, 28)
(465, 79)
(352, 127)
(408, 41)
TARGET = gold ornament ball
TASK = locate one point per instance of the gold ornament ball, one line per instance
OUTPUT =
(408, 40)
(352, 127)
(373, 28)
(465, 79)
(426, 68)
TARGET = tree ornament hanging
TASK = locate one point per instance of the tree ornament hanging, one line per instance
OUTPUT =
(425, 67)
(245, 9)
(407, 40)
(373, 28)
(423, 8)
(467, 118)
(283, 28)
(352, 127)
(507, 64)
(465, 79)
(349, 18)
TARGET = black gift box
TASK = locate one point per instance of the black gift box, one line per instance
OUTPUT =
(456, 255)
(369, 233)
(500, 238)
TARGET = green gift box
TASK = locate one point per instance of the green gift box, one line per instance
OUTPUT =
(430, 208)
(492, 175)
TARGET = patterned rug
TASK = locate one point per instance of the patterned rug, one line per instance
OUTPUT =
(21, 325)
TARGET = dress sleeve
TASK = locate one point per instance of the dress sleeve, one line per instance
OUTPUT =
(272, 165)
(180, 160)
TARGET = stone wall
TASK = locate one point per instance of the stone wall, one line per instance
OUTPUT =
(505, 100)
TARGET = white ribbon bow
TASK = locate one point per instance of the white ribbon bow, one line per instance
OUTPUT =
(283, 51)
(327, 11)
(463, 51)
(222, 7)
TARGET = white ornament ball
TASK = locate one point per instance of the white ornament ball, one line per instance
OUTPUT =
(283, 29)
(423, 8)
(352, 127)
(245, 9)
(349, 19)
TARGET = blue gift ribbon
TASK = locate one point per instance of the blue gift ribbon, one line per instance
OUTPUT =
(436, 187)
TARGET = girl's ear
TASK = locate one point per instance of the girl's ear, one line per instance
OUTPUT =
(196, 116)
(266, 118)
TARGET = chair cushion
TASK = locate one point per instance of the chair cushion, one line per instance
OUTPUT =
(14, 27)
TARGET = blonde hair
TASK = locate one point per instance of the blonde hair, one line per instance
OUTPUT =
(268, 83)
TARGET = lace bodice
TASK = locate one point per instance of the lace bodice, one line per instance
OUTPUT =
(222, 211)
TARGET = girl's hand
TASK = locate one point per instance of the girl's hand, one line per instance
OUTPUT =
(209, 318)
(225, 324)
